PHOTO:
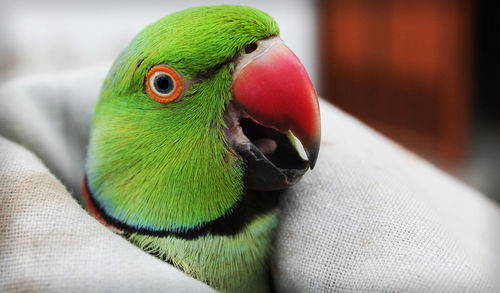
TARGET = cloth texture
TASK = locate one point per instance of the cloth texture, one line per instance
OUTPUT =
(370, 217)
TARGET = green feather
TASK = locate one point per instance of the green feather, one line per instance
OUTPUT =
(169, 166)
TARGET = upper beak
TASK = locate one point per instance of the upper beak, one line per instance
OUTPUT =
(273, 87)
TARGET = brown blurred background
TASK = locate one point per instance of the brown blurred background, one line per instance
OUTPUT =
(424, 73)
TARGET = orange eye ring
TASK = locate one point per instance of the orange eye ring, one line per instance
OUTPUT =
(163, 83)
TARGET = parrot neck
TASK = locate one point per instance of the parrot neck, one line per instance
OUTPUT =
(245, 211)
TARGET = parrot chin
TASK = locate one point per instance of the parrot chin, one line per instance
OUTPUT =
(272, 161)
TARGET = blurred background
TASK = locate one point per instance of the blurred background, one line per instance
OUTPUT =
(424, 73)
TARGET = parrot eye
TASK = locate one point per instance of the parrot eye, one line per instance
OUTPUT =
(163, 83)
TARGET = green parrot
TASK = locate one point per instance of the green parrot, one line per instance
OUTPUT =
(191, 142)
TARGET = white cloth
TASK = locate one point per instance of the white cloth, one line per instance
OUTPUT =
(374, 217)
(369, 217)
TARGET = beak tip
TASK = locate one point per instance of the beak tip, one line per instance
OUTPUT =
(312, 151)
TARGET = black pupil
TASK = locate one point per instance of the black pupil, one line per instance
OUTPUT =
(164, 83)
(250, 48)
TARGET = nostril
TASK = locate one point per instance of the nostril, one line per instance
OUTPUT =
(250, 48)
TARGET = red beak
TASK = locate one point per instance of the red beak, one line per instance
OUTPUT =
(273, 87)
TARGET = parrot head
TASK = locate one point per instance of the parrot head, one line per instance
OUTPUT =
(197, 110)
